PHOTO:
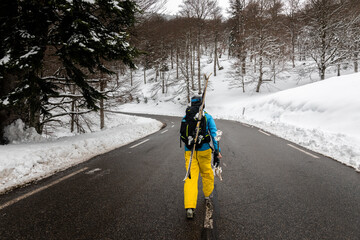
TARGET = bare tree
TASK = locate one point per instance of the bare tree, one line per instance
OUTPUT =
(151, 6)
(215, 23)
(353, 38)
(292, 26)
(199, 10)
(237, 36)
(324, 30)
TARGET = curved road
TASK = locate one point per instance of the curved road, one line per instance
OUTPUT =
(272, 189)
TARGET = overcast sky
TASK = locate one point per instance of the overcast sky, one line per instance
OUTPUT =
(172, 6)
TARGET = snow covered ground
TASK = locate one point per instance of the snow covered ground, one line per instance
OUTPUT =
(319, 115)
(322, 116)
(32, 157)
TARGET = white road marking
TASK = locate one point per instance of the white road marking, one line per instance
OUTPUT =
(101, 174)
(224, 164)
(172, 126)
(94, 170)
(267, 134)
(40, 189)
(164, 131)
(244, 124)
(312, 155)
(140, 143)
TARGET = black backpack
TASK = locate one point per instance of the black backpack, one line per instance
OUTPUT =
(188, 128)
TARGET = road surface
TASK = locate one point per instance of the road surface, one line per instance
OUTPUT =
(272, 189)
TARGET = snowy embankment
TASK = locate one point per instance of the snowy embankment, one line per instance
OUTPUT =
(322, 116)
(24, 162)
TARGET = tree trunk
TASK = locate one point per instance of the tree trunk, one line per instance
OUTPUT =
(242, 80)
(274, 70)
(356, 67)
(254, 64)
(293, 49)
(144, 75)
(73, 105)
(356, 64)
(322, 72)
(177, 62)
(323, 53)
(162, 74)
(192, 65)
(156, 74)
(215, 54)
(171, 55)
(243, 64)
(34, 109)
(72, 128)
(187, 79)
(199, 64)
(260, 72)
(131, 77)
(7, 115)
(102, 114)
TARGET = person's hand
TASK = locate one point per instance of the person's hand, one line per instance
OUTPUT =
(217, 157)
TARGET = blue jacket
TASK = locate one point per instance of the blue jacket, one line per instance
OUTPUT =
(211, 127)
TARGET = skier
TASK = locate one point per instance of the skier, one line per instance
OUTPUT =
(201, 162)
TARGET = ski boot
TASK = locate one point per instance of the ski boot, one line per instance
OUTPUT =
(190, 212)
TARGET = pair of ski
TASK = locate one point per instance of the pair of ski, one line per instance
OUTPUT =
(217, 169)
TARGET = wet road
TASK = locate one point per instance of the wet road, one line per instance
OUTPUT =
(271, 190)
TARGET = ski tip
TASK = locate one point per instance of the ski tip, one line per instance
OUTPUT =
(207, 77)
(186, 177)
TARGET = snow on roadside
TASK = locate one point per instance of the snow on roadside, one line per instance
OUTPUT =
(322, 116)
(26, 162)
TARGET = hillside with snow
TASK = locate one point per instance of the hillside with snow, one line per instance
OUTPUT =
(322, 116)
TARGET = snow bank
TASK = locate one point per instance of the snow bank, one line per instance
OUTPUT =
(323, 116)
(22, 163)
(16, 133)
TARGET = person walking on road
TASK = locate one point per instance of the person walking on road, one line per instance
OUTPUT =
(201, 162)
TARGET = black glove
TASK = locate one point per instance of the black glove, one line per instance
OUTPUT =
(216, 159)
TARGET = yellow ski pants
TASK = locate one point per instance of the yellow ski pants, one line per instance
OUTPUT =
(201, 163)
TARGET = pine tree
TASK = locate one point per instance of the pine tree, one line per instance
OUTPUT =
(24, 43)
(84, 35)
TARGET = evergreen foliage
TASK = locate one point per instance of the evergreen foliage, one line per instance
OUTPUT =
(84, 35)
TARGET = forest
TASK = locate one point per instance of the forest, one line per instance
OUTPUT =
(67, 58)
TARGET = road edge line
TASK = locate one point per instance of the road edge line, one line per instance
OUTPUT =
(11, 202)
(310, 154)
(265, 133)
(140, 143)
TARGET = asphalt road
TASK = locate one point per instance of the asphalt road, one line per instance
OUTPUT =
(270, 191)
